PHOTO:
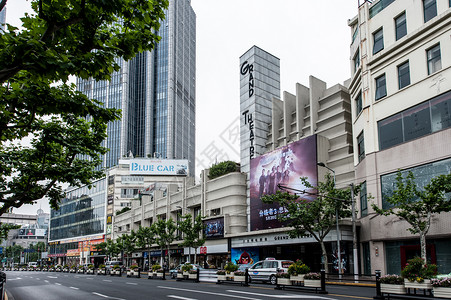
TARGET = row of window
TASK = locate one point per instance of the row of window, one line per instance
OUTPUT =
(420, 120)
(422, 176)
(434, 64)
(429, 12)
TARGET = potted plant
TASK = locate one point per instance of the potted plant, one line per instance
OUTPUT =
(221, 275)
(392, 284)
(239, 276)
(59, 268)
(73, 269)
(81, 269)
(283, 278)
(133, 271)
(155, 267)
(101, 270)
(312, 280)
(66, 268)
(298, 270)
(185, 269)
(52, 268)
(90, 269)
(417, 274)
(180, 274)
(116, 270)
(441, 287)
(230, 268)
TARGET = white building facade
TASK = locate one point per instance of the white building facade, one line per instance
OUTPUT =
(401, 118)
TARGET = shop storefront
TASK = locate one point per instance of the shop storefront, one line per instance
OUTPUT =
(214, 253)
(251, 248)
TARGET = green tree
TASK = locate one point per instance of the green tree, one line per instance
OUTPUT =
(13, 253)
(222, 168)
(164, 232)
(145, 237)
(61, 39)
(126, 243)
(5, 228)
(315, 217)
(417, 206)
(193, 232)
(109, 248)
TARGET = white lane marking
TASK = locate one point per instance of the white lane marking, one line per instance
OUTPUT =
(278, 296)
(57, 283)
(52, 276)
(18, 278)
(74, 288)
(132, 283)
(38, 279)
(107, 280)
(44, 280)
(105, 296)
(89, 278)
(178, 297)
(208, 293)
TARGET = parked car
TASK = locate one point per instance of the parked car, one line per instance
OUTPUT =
(110, 264)
(266, 270)
(173, 272)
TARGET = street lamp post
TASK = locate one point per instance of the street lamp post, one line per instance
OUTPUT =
(321, 164)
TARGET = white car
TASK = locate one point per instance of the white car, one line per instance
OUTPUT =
(266, 270)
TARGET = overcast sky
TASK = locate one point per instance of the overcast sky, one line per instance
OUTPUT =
(309, 38)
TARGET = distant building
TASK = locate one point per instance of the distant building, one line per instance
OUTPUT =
(401, 118)
(3, 18)
(156, 94)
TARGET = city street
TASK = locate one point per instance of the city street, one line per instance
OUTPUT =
(49, 286)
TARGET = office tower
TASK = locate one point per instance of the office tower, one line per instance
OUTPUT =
(156, 93)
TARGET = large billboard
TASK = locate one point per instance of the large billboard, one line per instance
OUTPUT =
(283, 166)
(214, 228)
(141, 166)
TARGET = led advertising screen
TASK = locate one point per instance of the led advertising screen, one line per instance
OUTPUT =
(283, 166)
(245, 255)
(214, 228)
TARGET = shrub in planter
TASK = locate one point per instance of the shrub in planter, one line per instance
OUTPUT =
(441, 282)
(134, 267)
(221, 272)
(230, 267)
(90, 267)
(156, 267)
(282, 275)
(391, 279)
(416, 270)
(312, 276)
(187, 267)
(116, 267)
(239, 273)
(298, 268)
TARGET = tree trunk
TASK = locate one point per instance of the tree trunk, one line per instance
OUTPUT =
(195, 255)
(161, 257)
(423, 246)
(324, 255)
(169, 258)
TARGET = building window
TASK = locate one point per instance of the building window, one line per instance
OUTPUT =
(361, 147)
(403, 75)
(381, 87)
(378, 39)
(434, 59)
(215, 212)
(422, 176)
(422, 119)
(363, 201)
(401, 26)
(356, 61)
(358, 103)
(429, 9)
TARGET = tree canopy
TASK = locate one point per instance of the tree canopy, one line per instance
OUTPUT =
(416, 206)
(38, 104)
(193, 232)
(315, 217)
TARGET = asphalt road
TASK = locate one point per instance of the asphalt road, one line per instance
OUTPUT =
(67, 286)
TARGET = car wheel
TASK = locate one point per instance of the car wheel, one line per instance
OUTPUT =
(273, 279)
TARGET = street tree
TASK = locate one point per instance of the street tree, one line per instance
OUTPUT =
(47, 127)
(164, 232)
(417, 206)
(126, 244)
(12, 253)
(5, 228)
(144, 239)
(109, 248)
(193, 232)
(316, 217)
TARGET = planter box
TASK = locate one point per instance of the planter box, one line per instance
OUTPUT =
(185, 273)
(180, 276)
(222, 277)
(284, 281)
(132, 273)
(90, 271)
(115, 272)
(426, 285)
(158, 275)
(101, 272)
(443, 292)
(297, 277)
(393, 288)
(239, 278)
(192, 276)
(80, 271)
(72, 271)
(316, 283)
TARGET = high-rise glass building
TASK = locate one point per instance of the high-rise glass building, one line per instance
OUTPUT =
(156, 93)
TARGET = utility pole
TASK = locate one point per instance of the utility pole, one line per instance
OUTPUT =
(354, 237)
